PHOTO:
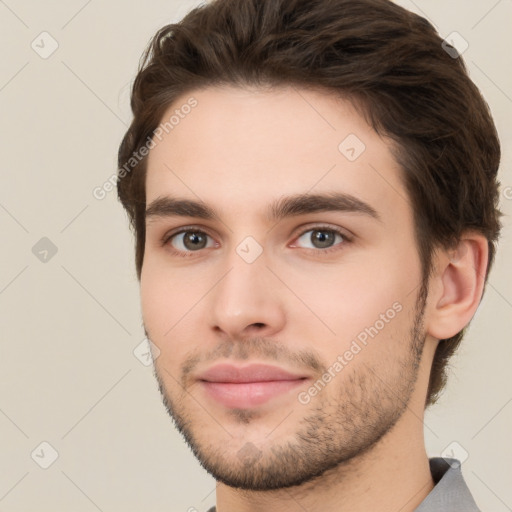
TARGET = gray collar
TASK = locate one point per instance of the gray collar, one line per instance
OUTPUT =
(450, 494)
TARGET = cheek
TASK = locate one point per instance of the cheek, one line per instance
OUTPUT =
(171, 302)
(164, 315)
(351, 298)
(163, 299)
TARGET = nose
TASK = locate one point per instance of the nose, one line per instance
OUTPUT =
(246, 302)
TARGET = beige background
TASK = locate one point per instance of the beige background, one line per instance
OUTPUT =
(69, 325)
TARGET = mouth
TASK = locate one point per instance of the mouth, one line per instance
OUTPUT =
(248, 386)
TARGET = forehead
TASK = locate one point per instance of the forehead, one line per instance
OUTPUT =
(244, 147)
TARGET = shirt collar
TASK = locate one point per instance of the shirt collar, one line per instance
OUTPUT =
(450, 494)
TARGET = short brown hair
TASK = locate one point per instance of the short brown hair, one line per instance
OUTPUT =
(389, 62)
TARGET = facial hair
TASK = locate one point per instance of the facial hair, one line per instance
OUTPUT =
(336, 430)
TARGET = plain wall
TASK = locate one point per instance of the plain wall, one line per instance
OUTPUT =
(70, 324)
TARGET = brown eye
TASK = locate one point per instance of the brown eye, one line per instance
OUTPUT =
(186, 241)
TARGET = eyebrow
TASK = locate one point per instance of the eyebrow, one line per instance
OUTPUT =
(281, 208)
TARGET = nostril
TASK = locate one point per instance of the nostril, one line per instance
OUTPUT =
(259, 324)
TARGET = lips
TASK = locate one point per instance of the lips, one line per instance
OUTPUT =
(251, 373)
(248, 386)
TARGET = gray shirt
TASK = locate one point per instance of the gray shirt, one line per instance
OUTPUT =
(450, 494)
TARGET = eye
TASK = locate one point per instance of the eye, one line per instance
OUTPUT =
(321, 237)
(187, 241)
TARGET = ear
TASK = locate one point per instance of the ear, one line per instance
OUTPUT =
(457, 285)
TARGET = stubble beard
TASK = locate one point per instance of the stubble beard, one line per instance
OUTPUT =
(335, 432)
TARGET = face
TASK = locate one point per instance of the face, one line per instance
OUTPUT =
(280, 283)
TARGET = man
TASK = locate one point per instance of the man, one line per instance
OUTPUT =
(313, 190)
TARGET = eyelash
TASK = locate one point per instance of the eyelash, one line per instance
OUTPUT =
(321, 252)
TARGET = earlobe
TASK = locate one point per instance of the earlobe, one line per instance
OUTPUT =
(461, 278)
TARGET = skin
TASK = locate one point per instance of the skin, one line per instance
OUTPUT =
(358, 443)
